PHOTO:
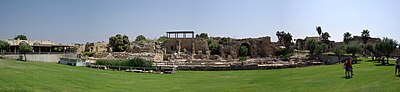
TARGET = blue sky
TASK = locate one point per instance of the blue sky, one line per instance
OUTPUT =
(81, 21)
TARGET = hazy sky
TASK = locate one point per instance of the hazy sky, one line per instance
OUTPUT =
(81, 21)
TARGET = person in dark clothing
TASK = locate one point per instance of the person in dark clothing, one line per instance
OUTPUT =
(349, 68)
(397, 67)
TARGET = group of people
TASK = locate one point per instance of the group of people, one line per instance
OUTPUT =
(348, 66)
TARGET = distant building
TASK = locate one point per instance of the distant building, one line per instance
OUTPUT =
(39, 47)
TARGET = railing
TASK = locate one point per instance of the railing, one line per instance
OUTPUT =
(120, 68)
(11, 53)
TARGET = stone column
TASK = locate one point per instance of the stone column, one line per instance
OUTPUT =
(221, 51)
(208, 53)
(193, 50)
(15, 50)
(179, 46)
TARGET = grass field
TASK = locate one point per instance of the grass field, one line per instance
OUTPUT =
(40, 76)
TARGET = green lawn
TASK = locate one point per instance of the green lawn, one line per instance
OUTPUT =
(40, 76)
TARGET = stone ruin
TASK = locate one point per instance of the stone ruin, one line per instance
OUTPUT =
(198, 48)
(193, 53)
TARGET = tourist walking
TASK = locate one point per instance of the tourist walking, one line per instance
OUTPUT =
(349, 67)
(345, 67)
(397, 67)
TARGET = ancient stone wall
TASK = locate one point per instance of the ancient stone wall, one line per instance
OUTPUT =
(258, 47)
(97, 47)
(138, 47)
(229, 49)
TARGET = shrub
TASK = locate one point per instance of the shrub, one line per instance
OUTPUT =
(135, 62)
(138, 62)
(242, 58)
(109, 62)
(89, 54)
(243, 50)
(214, 47)
(284, 53)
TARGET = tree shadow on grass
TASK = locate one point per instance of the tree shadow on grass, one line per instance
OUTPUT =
(371, 60)
(384, 65)
(344, 77)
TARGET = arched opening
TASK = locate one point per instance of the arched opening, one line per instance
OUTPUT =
(23, 42)
(36, 44)
(244, 50)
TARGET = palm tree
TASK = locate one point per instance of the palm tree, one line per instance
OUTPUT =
(325, 37)
(319, 30)
(365, 36)
(285, 38)
(347, 37)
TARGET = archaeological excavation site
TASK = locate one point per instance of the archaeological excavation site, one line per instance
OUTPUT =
(185, 50)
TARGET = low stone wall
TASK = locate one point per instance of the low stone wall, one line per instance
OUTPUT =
(252, 67)
(41, 57)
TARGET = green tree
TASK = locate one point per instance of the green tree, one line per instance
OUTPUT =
(371, 47)
(386, 47)
(311, 46)
(283, 53)
(162, 38)
(353, 48)
(119, 43)
(140, 38)
(24, 48)
(338, 50)
(243, 51)
(20, 37)
(202, 36)
(321, 48)
(224, 40)
(213, 47)
(4, 45)
(315, 48)
(347, 37)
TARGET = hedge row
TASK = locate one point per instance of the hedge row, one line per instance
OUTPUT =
(135, 62)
